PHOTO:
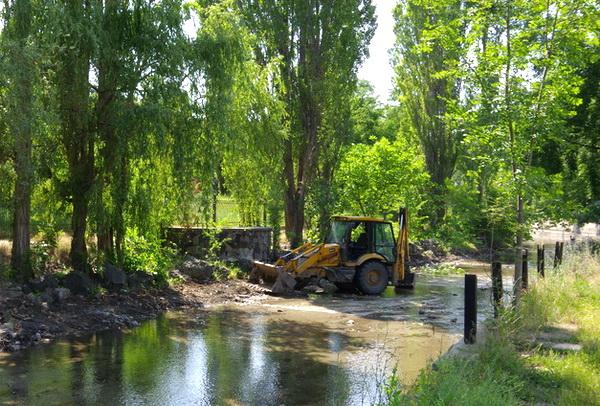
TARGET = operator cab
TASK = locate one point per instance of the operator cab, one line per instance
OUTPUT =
(358, 236)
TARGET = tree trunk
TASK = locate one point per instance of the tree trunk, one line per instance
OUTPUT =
(294, 218)
(20, 260)
(296, 187)
(120, 193)
(73, 90)
(108, 71)
(325, 192)
(294, 201)
(214, 197)
(20, 125)
(78, 253)
(518, 275)
(104, 235)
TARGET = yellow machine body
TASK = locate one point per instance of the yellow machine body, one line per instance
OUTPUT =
(331, 260)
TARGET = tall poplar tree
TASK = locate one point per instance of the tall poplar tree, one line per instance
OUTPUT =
(73, 61)
(428, 50)
(18, 41)
(318, 43)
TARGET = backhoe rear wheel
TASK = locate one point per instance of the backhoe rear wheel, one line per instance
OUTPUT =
(372, 278)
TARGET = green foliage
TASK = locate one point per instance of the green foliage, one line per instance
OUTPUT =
(380, 178)
(151, 256)
(6, 196)
(215, 244)
(367, 115)
(39, 257)
(50, 214)
(262, 103)
(489, 85)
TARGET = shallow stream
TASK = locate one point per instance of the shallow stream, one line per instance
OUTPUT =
(319, 350)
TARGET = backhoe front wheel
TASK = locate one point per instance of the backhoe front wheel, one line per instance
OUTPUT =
(372, 278)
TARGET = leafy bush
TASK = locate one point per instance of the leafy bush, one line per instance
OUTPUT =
(39, 256)
(382, 177)
(212, 256)
(150, 255)
(215, 244)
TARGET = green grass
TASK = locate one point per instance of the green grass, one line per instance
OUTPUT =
(228, 213)
(508, 370)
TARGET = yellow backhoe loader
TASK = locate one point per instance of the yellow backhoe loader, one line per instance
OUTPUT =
(358, 250)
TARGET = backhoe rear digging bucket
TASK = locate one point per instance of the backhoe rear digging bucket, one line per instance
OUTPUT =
(408, 282)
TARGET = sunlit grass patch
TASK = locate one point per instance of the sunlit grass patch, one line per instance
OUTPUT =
(511, 368)
(576, 378)
(460, 382)
(5, 247)
(228, 212)
(63, 247)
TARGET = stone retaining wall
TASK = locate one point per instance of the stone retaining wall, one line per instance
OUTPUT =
(241, 243)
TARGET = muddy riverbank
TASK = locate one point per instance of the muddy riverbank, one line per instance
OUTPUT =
(26, 319)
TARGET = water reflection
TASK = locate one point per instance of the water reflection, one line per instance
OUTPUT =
(317, 351)
(218, 359)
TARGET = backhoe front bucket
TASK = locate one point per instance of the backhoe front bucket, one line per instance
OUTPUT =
(285, 283)
(264, 271)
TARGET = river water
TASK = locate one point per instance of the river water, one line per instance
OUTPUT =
(320, 350)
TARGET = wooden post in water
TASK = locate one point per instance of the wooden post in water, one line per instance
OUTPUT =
(497, 290)
(560, 257)
(525, 276)
(470, 330)
(541, 260)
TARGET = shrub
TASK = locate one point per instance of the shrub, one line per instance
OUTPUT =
(150, 255)
(39, 256)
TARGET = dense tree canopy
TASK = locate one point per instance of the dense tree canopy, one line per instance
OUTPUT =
(118, 118)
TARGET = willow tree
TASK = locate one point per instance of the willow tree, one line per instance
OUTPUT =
(17, 41)
(317, 43)
(139, 62)
(428, 50)
(112, 32)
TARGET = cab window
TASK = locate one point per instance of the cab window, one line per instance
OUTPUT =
(358, 243)
(337, 232)
(384, 240)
